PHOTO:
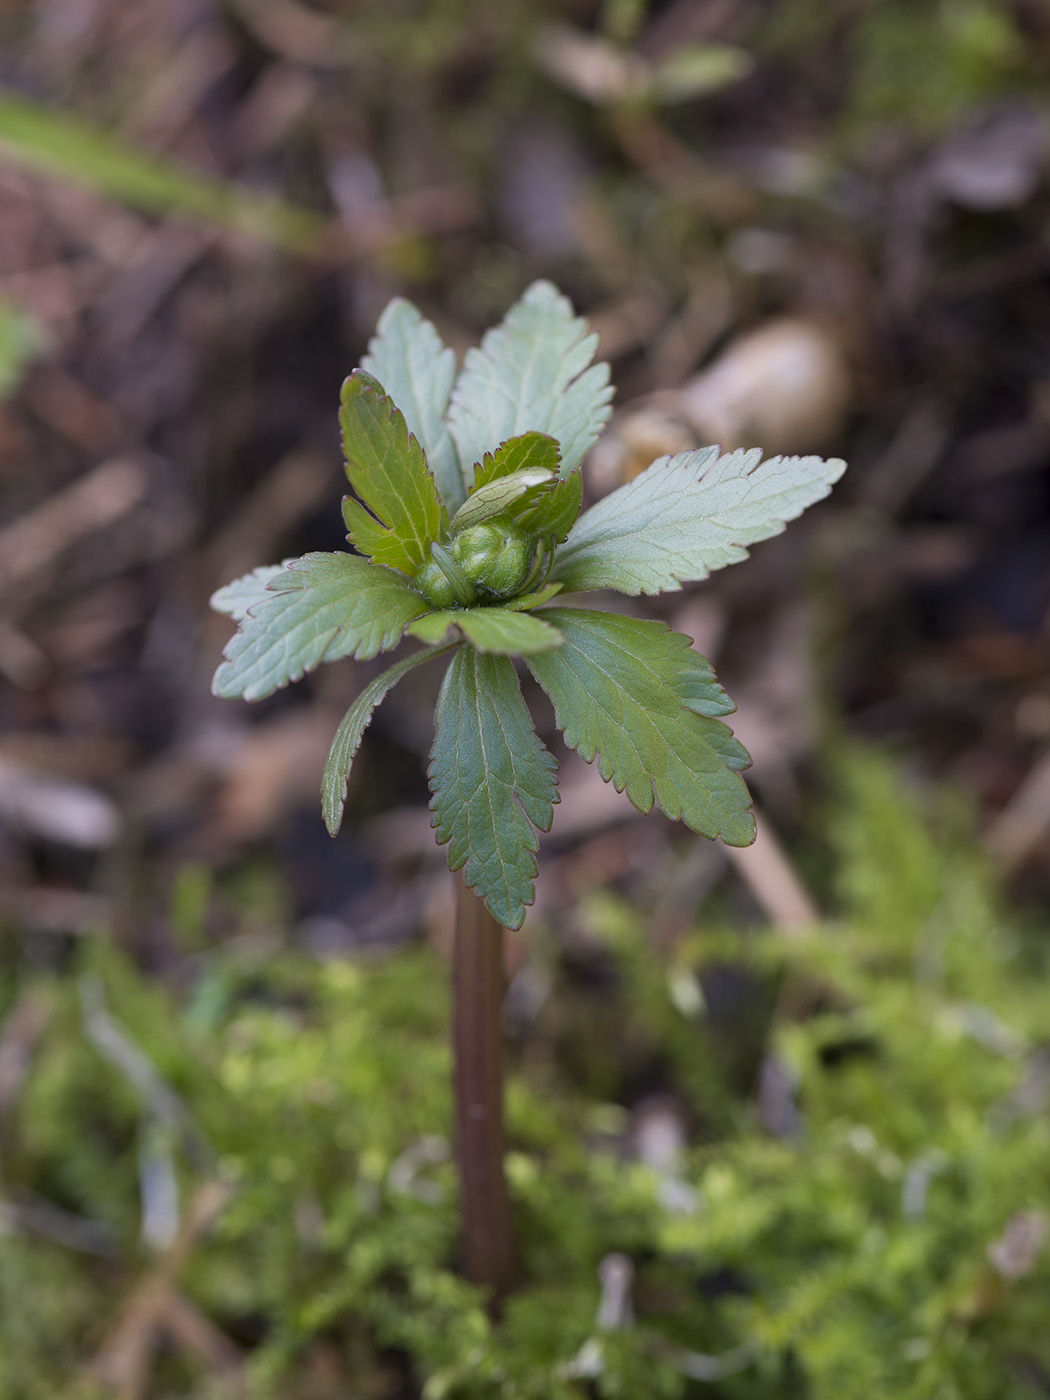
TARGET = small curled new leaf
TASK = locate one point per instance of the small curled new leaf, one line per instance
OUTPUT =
(553, 514)
(540, 511)
(515, 455)
(499, 497)
(320, 608)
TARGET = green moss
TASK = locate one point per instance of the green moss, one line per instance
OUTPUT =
(852, 1258)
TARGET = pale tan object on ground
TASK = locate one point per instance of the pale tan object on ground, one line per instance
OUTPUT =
(774, 882)
(635, 439)
(1022, 825)
(784, 387)
(71, 814)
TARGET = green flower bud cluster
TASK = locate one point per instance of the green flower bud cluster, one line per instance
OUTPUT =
(484, 563)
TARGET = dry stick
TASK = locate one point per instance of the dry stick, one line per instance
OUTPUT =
(478, 987)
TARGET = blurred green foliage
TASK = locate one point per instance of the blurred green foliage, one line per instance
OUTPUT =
(911, 66)
(56, 143)
(860, 1255)
(22, 340)
(926, 64)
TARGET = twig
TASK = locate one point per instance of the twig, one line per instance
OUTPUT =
(774, 882)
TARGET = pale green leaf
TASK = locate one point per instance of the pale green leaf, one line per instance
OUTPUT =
(615, 685)
(499, 497)
(489, 629)
(348, 736)
(687, 515)
(525, 601)
(407, 357)
(238, 597)
(386, 467)
(493, 783)
(533, 372)
(320, 608)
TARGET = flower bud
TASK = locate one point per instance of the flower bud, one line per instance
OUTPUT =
(431, 580)
(495, 556)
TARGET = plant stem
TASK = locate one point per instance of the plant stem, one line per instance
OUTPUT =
(478, 986)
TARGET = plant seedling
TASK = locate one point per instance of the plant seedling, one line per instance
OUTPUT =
(466, 523)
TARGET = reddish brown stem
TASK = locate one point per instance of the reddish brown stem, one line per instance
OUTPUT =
(478, 985)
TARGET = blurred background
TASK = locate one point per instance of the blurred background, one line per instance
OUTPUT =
(814, 227)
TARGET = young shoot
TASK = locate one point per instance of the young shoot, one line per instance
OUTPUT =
(465, 523)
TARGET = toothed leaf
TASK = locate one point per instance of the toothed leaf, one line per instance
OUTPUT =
(553, 513)
(407, 357)
(493, 783)
(698, 686)
(532, 373)
(348, 736)
(386, 467)
(615, 688)
(243, 593)
(687, 515)
(320, 608)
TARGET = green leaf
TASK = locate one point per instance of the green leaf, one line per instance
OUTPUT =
(489, 629)
(686, 515)
(493, 783)
(517, 454)
(616, 685)
(499, 497)
(533, 600)
(348, 736)
(320, 608)
(553, 513)
(700, 691)
(407, 357)
(539, 512)
(243, 593)
(531, 374)
(387, 469)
